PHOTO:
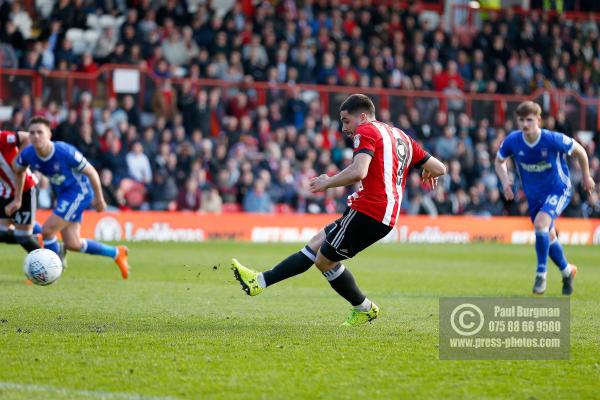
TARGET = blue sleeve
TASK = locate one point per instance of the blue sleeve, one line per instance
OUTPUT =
(563, 143)
(505, 151)
(23, 160)
(74, 158)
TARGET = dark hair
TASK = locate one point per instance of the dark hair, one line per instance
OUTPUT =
(39, 120)
(358, 102)
(528, 107)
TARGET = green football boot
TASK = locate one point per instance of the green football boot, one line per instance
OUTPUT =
(246, 277)
(357, 318)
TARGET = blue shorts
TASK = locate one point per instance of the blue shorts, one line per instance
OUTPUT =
(553, 205)
(70, 206)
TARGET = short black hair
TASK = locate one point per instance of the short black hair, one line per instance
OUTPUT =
(358, 102)
(39, 120)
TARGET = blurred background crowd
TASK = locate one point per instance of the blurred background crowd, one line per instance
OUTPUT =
(221, 147)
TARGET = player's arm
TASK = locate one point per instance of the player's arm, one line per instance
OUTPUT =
(92, 175)
(20, 175)
(432, 169)
(582, 158)
(353, 173)
(23, 138)
(502, 172)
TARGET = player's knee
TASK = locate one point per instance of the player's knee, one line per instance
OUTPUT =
(72, 244)
(323, 263)
(541, 225)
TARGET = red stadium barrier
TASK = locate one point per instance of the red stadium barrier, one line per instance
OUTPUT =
(196, 227)
(582, 113)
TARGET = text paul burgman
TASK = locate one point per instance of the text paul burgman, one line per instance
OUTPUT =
(527, 312)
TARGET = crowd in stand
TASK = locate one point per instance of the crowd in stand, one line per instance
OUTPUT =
(208, 148)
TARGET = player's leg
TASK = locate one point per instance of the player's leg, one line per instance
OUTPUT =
(7, 233)
(342, 281)
(541, 225)
(50, 229)
(568, 271)
(295, 264)
(254, 282)
(72, 238)
(70, 210)
(557, 254)
(24, 221)
(355, 234)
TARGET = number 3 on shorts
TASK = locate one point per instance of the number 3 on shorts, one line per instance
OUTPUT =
(62, 207)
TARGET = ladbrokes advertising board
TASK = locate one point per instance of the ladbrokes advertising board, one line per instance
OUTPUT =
(194, 227)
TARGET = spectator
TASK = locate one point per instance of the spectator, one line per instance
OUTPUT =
(257, 199)
(446, 145)
(211, 201)
(21, 19)
(114, 199)
(106, 43)
(164, 103)
(138, 164)
(190, 197)
(87, 143)
(114, 159)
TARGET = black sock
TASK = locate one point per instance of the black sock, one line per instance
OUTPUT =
(28, 242)
(8, 236)
(293, 265)
(342, 281)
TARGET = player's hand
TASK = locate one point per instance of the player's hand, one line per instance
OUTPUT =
(319, 184)
(99, 204)
(588, 184)
(12, 207)
(429, 180)
(508, 193)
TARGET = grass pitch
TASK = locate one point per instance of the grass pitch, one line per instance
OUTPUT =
(181, 327)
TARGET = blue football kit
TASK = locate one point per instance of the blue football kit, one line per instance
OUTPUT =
(543, 169)
(545, 178)
(63, 167)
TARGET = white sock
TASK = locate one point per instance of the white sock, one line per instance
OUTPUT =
(364, 306)
(541, 274)
(567, 271)
(261, 281)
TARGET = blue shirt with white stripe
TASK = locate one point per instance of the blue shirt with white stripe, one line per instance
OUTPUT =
(542, 165)
(63, 167)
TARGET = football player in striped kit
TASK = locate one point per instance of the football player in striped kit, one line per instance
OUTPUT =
(383, 156)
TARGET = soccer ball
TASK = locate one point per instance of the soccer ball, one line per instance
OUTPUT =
(42, 267)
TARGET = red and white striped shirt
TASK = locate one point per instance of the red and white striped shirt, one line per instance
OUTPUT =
(393, 154)
(9, 148)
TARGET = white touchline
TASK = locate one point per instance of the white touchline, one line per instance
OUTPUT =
(97, 394)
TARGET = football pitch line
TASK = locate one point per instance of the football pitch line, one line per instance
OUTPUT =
(70, 393)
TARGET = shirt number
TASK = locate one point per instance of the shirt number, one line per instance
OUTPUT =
(402, 153)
